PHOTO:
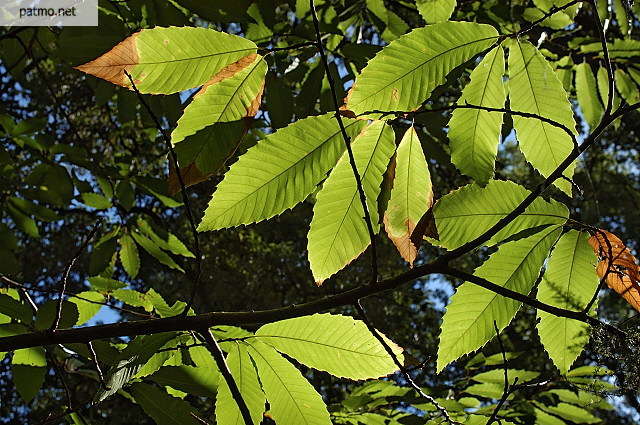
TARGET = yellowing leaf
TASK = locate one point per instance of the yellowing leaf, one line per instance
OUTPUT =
(169, 60)
(411, 195)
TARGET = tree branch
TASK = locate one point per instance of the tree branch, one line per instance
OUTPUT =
(218, 355)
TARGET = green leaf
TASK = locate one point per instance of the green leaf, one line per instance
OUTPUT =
(572, 413)
(30, 208)
(338, 232)
(340, 345)
(95, 200)
(292, 399)
(570, 281)
(22, 221)
(277, 173)
(133, 298)
(34, 356)
(230, 95)
(411, 195)
(28, 380)
(534, 88)
(467, 213)
(626, 87)
(390, 25)
(469, 320)
(404, 73)
(165, 240)
(130, 361)
(474, 134)
(47, 313)
(603, 88)
(246, 378)
(587, 94)
(15, 309)
(162, 407)
(168, 60)
(433, 11)
(496, 376)
(86, 308)
(103, 284)
(190, 379)
(160, 305)
(155, 251)
(129, 255)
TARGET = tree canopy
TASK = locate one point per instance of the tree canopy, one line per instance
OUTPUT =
(323, 211)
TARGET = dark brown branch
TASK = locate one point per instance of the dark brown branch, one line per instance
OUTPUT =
(183, 190)
(65, 276)
(352, 161)
(399, 365)
(218, 355)
(144, 327)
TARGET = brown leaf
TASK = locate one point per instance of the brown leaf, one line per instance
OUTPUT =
(622, 284)
(112, 65)
(618, 267)
(425, 227)
(190, 176)
(228, 72)
(611, 249)
(406, 247)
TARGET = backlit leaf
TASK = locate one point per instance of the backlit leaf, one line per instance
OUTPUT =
(587, 94)
(338, 232)
(292, 399)
(469, 320)
(435, 10)
(155, 251)
(569, 282)
(534, 88)
(467, 213)
(277, 173)
(28, 380)
(474, 134)
(129, 255)
(86, 308)
(162, 407)
(340, 345)
(231, 94)
(404, 73)
(168, 60)
(411, 195)
(190, 379)
(245, 376)
(130, 361)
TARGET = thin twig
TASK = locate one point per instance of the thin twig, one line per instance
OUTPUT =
(607, 60)
(183, 189)
(504, 110)
(552, 11)
(64, 383)
(65, 277)
(506, 391)
(399, 365)
(218, 355)
(292, 47)
(345, 136)
(94, 358)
